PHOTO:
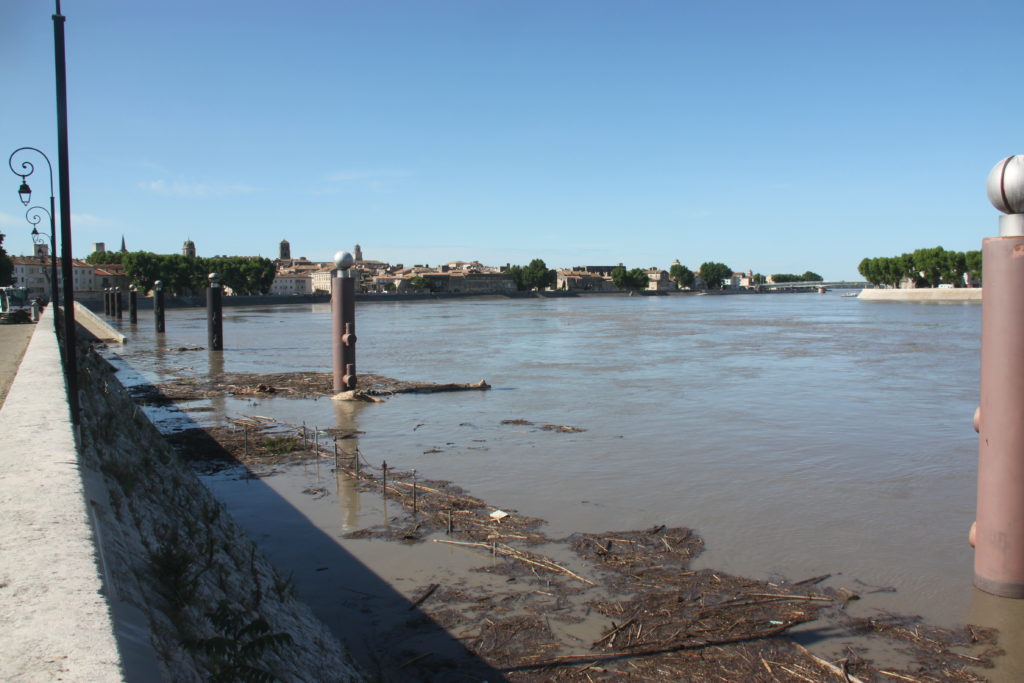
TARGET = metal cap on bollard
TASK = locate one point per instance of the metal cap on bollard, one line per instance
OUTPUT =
(158, 285)
(1005, 187)
(343, 260)
(214, 279)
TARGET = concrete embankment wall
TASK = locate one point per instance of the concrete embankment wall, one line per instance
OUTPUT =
(962, 295)
(56, 621)
(131, 569)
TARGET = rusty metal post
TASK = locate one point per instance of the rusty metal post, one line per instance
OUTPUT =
(133, 304)
(214, 315)
(999, 529)
(343, 323)
(118, 304)
(158, 305)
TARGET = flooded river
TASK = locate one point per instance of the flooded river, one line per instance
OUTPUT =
(800, 435)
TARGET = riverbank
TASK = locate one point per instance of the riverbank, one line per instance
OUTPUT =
(961, 295)
(535, 607)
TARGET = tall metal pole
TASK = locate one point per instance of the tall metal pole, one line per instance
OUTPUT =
(158, 305)
(214, 315)
(133, 305)
(343, 324)
(64, 176)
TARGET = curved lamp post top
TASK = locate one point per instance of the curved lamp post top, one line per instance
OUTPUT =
(27, 168)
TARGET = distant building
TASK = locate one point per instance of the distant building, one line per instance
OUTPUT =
(285, 251)
(577, 280)
(659, 281)
(99, 246)
(124, 248)
(294, 283)
(189, 249)
(358, 255)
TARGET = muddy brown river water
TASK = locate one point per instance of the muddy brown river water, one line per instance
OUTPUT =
(800, 435)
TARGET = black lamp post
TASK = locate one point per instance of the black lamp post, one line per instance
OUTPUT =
(38, 238)
(25, 194)
(64, 180)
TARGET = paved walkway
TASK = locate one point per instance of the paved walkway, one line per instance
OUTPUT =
(13, 342)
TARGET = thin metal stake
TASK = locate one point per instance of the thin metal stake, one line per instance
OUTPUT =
(384, 467)
(449, 521)
(414, 492)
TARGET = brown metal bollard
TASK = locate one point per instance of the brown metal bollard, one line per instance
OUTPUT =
(343, 324)
(999, 528)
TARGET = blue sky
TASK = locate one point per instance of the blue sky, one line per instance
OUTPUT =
(776, 136)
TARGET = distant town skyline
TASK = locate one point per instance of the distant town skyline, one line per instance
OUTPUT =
(778, 137)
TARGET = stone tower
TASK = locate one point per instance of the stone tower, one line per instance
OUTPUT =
(189, 249)
(358, 255)
(285, 251)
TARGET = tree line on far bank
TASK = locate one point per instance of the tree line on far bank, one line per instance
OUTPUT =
(926, 267)
(188, 275)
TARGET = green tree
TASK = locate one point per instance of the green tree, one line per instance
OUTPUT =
(537, 275)
(516, 273)
(100, 258)
(972, 260)
(681, 275)
(811, 276)
(632, 280)
(713, 273)
(419, 282)
(6, 265)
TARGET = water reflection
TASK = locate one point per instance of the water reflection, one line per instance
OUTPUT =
(1007, 615)
(347, 460)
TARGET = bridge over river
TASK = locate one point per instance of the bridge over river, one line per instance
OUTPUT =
(811, 286)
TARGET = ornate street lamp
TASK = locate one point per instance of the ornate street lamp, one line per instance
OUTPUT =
(33, 216)
(25, 195)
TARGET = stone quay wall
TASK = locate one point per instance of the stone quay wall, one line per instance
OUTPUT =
(131, 569)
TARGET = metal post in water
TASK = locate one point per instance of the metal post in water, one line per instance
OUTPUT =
(214, 317)
(158, 305)
(133, 304)
(118, 304)
(999, 528)
(106, 301)
(343, 323)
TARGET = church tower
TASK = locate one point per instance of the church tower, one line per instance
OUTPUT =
(358, 253)
(189, 249)
(285, 252)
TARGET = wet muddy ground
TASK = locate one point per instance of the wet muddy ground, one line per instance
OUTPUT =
(620, 605)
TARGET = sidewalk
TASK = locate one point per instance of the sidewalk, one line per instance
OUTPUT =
(13, 342)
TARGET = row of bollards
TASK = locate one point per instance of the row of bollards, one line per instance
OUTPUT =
(343, 317)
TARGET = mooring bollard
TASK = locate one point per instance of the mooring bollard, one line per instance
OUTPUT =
(133, 304)
(999, 527)
(343, 323)
(106, 301)
(214, 318)
(158, 305)
(118, 304)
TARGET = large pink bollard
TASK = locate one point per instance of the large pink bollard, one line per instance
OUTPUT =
(999, 529)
